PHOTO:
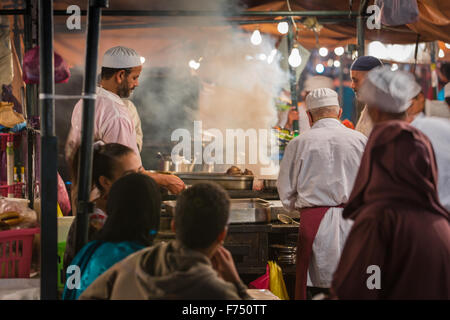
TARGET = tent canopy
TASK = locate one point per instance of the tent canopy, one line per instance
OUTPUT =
(158, 37)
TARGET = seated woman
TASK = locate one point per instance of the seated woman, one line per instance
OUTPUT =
(110, 162)
(133, 207)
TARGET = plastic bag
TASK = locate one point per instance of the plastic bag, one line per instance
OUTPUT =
(31, 67)
(262, 282)
(27, 217)
(277, 285)
(398, 12)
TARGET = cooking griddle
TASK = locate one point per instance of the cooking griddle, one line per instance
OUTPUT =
(251, 210)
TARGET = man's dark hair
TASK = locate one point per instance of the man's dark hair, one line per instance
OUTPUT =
(201, 214)
(107, 73)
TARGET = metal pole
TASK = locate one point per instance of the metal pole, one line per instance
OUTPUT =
(28, 44)
(341, 84)
(360, 35)
(49, 255)
(292, 76)
(360, 27)
(87, 129)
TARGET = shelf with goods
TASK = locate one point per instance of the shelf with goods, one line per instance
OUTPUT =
(12, 173)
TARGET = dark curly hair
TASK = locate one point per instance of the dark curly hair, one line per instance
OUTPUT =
(201, 214)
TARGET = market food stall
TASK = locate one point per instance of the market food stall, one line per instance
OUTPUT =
(160, 33)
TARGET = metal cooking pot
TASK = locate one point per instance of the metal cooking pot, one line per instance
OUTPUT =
(270, 184)
(228, 182)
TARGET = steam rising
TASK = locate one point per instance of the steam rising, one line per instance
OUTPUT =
(233, 88)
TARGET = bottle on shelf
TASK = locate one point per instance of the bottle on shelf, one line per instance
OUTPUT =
(24, 182)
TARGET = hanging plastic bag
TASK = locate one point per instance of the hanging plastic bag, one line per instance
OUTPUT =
(262, 282)
(398, 12)
(277, 285)
(31, 67)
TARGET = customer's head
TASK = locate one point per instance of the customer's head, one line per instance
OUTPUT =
(133, 208)
(201, 216)
(388, 94)
(110, 162)
(359, 69)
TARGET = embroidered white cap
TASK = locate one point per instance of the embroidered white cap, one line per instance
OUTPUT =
(121, 57)
(322, 97)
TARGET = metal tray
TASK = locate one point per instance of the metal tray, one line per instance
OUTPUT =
(228, 182)
(251, 210)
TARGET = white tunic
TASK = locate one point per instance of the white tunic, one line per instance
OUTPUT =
(438, 131)
(112, 123)
(364, 124)
(134, 115)
(319, 168)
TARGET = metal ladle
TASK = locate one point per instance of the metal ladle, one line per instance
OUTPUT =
(286, 219)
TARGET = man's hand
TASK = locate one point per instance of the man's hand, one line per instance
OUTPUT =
(223, 263)
(292, 115)
(174, 184)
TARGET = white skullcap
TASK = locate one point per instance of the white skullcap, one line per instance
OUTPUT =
(318, 82)
(447, 90)
(121, 57)
(389, 91)
(322, 97)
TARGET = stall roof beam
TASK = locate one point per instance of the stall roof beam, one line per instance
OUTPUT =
(202, 13)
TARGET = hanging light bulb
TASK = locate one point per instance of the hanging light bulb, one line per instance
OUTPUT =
(394, 67)
(447, 45)
(294, 58)
(256, 38)
(142, 60)
(339, 51)
(337, 63)
(320, 68)
(323, 51)
(262, 56)
(194, 64)
(441, 53)
(283, 27)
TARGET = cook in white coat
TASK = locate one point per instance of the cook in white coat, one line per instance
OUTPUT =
(316, 176)
(121, 67)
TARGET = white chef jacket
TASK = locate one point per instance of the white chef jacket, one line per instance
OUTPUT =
(438, 131)
(319, 168)
(112, 123)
